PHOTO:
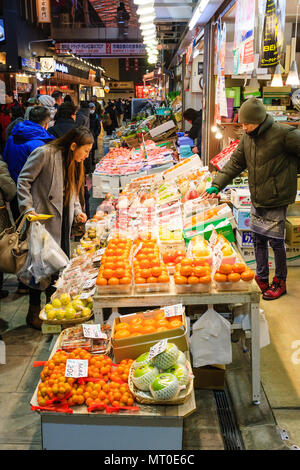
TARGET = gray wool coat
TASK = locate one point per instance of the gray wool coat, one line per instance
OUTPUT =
(40, 188)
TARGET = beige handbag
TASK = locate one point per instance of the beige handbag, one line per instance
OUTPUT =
(13, 247)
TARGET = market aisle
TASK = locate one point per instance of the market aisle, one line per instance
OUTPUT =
(280, 361)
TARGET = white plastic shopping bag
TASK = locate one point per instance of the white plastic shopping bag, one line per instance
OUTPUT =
(264, 335)
(210, 342)
(45, 257)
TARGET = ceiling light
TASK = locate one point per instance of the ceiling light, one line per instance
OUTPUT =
(148, 33)
(197, 13)
(277, 78)
(148, 10)
(143, 2)
(146, 19)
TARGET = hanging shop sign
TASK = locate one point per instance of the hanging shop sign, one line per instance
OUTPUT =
(273, 14)
(101, 49)
(2, 31)
(106, 89)
(243, 50)
(188, 54)
(221, 102)
(30, 64)
(92, 75)
(43, 10)
(61, 68)
(47, 64)
(122, 86)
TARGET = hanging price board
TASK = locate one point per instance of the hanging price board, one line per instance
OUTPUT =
(89, 284)
(86, 295)
(76, 368)
(93, 331)
(173, 310)
(158, 348)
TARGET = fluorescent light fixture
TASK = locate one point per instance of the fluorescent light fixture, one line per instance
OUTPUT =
(148, 10)
(197, 13)
(277, 78)
(143, 2)
(293, 77)
(150, 34)
(146, 26)
(146, 19)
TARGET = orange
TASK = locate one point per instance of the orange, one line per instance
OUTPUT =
(247, 275)
(135, 333)
(192, 280)
(225, 269)
(145, 273)
(152, 280)
(147, 329)
(162, 328)
(109, 265)
(144, 264)
(234, 277)
(125, 280)
(180, 279)
(219, 277)
(205, 279)
(156, 271)
(135, 328)
(119, 272)
(108, 273)
(185, 270)
(121, 326)
(149, 321)
(163, 322)
(136, 321)
(140, 280)
(175, 324)
(200, 271)
(186, 262)
(101, 281)
(113, 281)
(159, 315)
(239, 268)
(163, 278)
(122, 334)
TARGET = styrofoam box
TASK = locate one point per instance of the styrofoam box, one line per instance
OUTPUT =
(242, 218)
(162, 128)
(292, 256)
(103, 184)
(192, 163)
(240, 197)
(159, 169)
(127, 178)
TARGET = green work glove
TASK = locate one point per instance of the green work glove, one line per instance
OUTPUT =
(212, 190)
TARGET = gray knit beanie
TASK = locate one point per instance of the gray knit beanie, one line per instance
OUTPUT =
(252, 112)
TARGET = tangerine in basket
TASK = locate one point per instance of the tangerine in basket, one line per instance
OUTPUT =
(247, 275)
(140, 280)
(200, 271)
(239, 268)
(121, 326)
(205, 279)
(125, 280)
(156, 271)
(186, 262)
(225, 269)
(175, 324)
(219, 277)
(234, 277)
(101, 281)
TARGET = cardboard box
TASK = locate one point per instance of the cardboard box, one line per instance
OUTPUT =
(162, 128)
(222, 226)
(244, 238)
(192, 163)
(242, 218)
(292, 226)
(210, 377)
(240, 197)
(103, 184)
(292, 256)
(131, 348)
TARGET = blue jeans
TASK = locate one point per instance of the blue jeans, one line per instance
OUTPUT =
(262, 257)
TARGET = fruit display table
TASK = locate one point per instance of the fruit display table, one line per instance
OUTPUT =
(251, 298)
(152, 427)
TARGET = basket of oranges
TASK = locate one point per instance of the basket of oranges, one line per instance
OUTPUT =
(233, 277)
(115, 274)
(150, 272)
(192, 275)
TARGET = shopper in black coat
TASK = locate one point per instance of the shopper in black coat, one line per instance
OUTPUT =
(194, 118)
(95, 128)
(64, 120)
(83, 115)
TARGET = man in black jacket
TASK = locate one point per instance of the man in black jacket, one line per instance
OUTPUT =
(194, 118)
(64, 120)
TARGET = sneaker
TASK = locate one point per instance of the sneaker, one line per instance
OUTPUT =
(263, 284)
(277, 289)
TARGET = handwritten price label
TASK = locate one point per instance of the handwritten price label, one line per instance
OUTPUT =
(86, 295)
(89, 284)
(173, 310)
(213, 238)
(93, 331)
(158, 348)
(76, 368)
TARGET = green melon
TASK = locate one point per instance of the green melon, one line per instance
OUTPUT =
(141, 360)
(181, 358)
(181, 372)
(164, 387)
(167, 358)
(143, 376)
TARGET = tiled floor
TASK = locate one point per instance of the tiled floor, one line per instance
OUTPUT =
(259, 426)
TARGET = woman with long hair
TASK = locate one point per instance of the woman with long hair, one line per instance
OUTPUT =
(50, 183)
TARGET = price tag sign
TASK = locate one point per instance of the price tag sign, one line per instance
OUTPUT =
(213, 238)
(158, 348)
(50, 329)
(76, 368)
(89, 284)
(93, 274)
(93, 331)
(86, 295)
(98, 255)
(173, 310)
(217, 259)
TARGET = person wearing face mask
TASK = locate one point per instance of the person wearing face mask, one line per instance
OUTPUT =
(270, 151)
(50, 183)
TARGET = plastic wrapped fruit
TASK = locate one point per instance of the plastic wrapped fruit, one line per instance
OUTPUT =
(167, 358)
(142, 360)
(164, 387)
(181, 372)
(144, 375)
(181, 358)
